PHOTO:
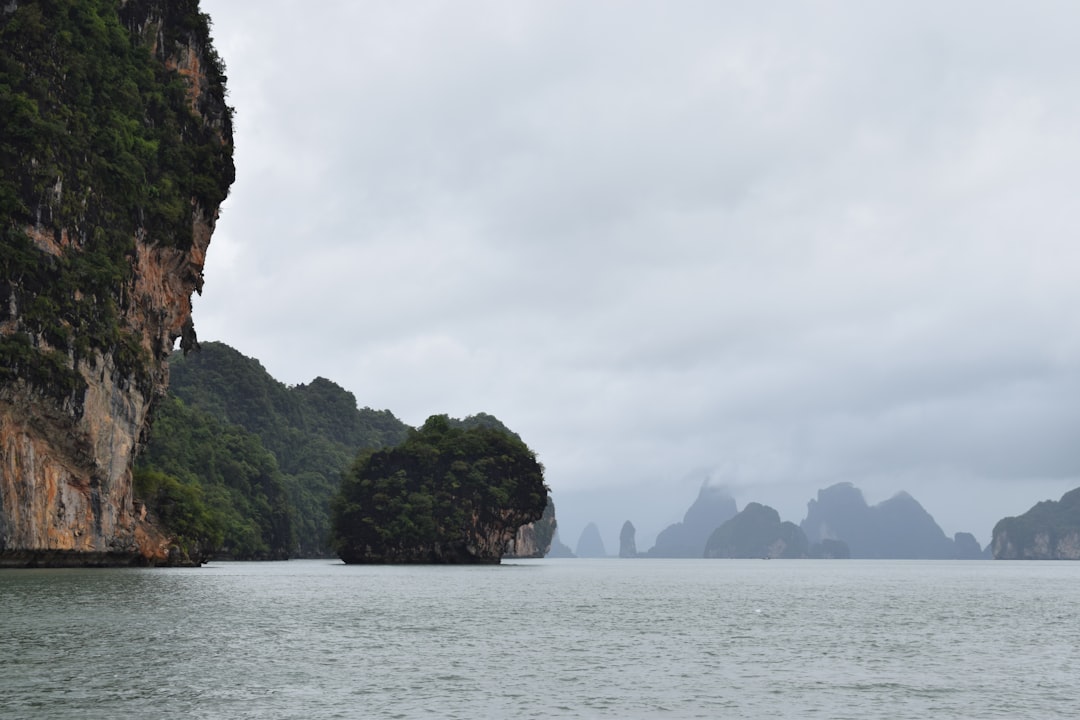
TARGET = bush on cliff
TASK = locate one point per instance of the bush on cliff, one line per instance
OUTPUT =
(448, 494)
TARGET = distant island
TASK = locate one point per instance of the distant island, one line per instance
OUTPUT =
(1048, 531)
(757, 532)
(686, 539)
(839, 524)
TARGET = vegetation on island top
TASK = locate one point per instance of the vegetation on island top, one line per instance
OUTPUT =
(100, 144)
(230, 431)
(448, 494)
(239, 465)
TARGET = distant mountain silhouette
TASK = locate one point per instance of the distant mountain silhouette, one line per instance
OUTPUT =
(590, 545)
(896, 528)
(628, 541)
(558, 549)
(757, 532)
(686, 539)
(1048, 531)
(966, 547)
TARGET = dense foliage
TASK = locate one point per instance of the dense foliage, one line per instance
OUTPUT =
(447, 494)
(214, 487)
(312, 433)
(100, 144)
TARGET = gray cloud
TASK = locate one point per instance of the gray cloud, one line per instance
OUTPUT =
(780, 246)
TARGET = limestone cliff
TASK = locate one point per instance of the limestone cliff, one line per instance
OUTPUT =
(628, 541)
(1048, 531)
(533, 540)
(116, 155)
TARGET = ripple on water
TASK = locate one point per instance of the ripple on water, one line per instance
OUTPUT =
(592, 639)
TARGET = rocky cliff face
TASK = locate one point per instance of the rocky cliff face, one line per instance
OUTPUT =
(1048, 531)
(533, 540)
(111, 188)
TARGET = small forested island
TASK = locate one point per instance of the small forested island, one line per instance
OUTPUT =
(448, 494)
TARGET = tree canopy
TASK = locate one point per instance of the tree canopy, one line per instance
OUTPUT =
(313, 432)
(448, 494)
(100, 144)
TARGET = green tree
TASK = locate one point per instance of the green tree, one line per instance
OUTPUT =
(214, 487)
(447, 494)
(314, 431)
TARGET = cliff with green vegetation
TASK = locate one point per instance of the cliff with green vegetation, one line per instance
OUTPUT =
(116, 153)
(1048, 531)
(448, 494)
(240, 465)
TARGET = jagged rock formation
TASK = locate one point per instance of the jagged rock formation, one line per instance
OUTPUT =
(534, 539)
(757, 532)
(627, 541)
(712, 508)
(590, 544)
(1048, 531)
(116, 154)
(897, 528)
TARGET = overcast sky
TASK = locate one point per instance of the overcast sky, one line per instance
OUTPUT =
(773, 246)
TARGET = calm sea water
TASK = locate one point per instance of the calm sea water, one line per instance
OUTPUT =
(545, 638)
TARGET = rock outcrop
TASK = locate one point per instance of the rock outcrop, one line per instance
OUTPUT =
(898, 528)
(590, 544)
(757, 532)
(534, 539)
(628, 541)
(108, 198)
(1048, 531)
(712, 508)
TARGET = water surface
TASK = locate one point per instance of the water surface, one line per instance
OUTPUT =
(544, 638)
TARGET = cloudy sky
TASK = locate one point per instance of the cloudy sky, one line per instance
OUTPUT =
(771, 246)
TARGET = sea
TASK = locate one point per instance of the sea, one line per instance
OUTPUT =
(566, 638)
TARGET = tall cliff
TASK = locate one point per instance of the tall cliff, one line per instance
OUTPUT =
(533, 540)
(116, 154)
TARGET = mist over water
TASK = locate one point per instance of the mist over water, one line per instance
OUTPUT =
(546, 638)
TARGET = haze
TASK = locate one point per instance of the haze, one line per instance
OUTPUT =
(771, 246)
